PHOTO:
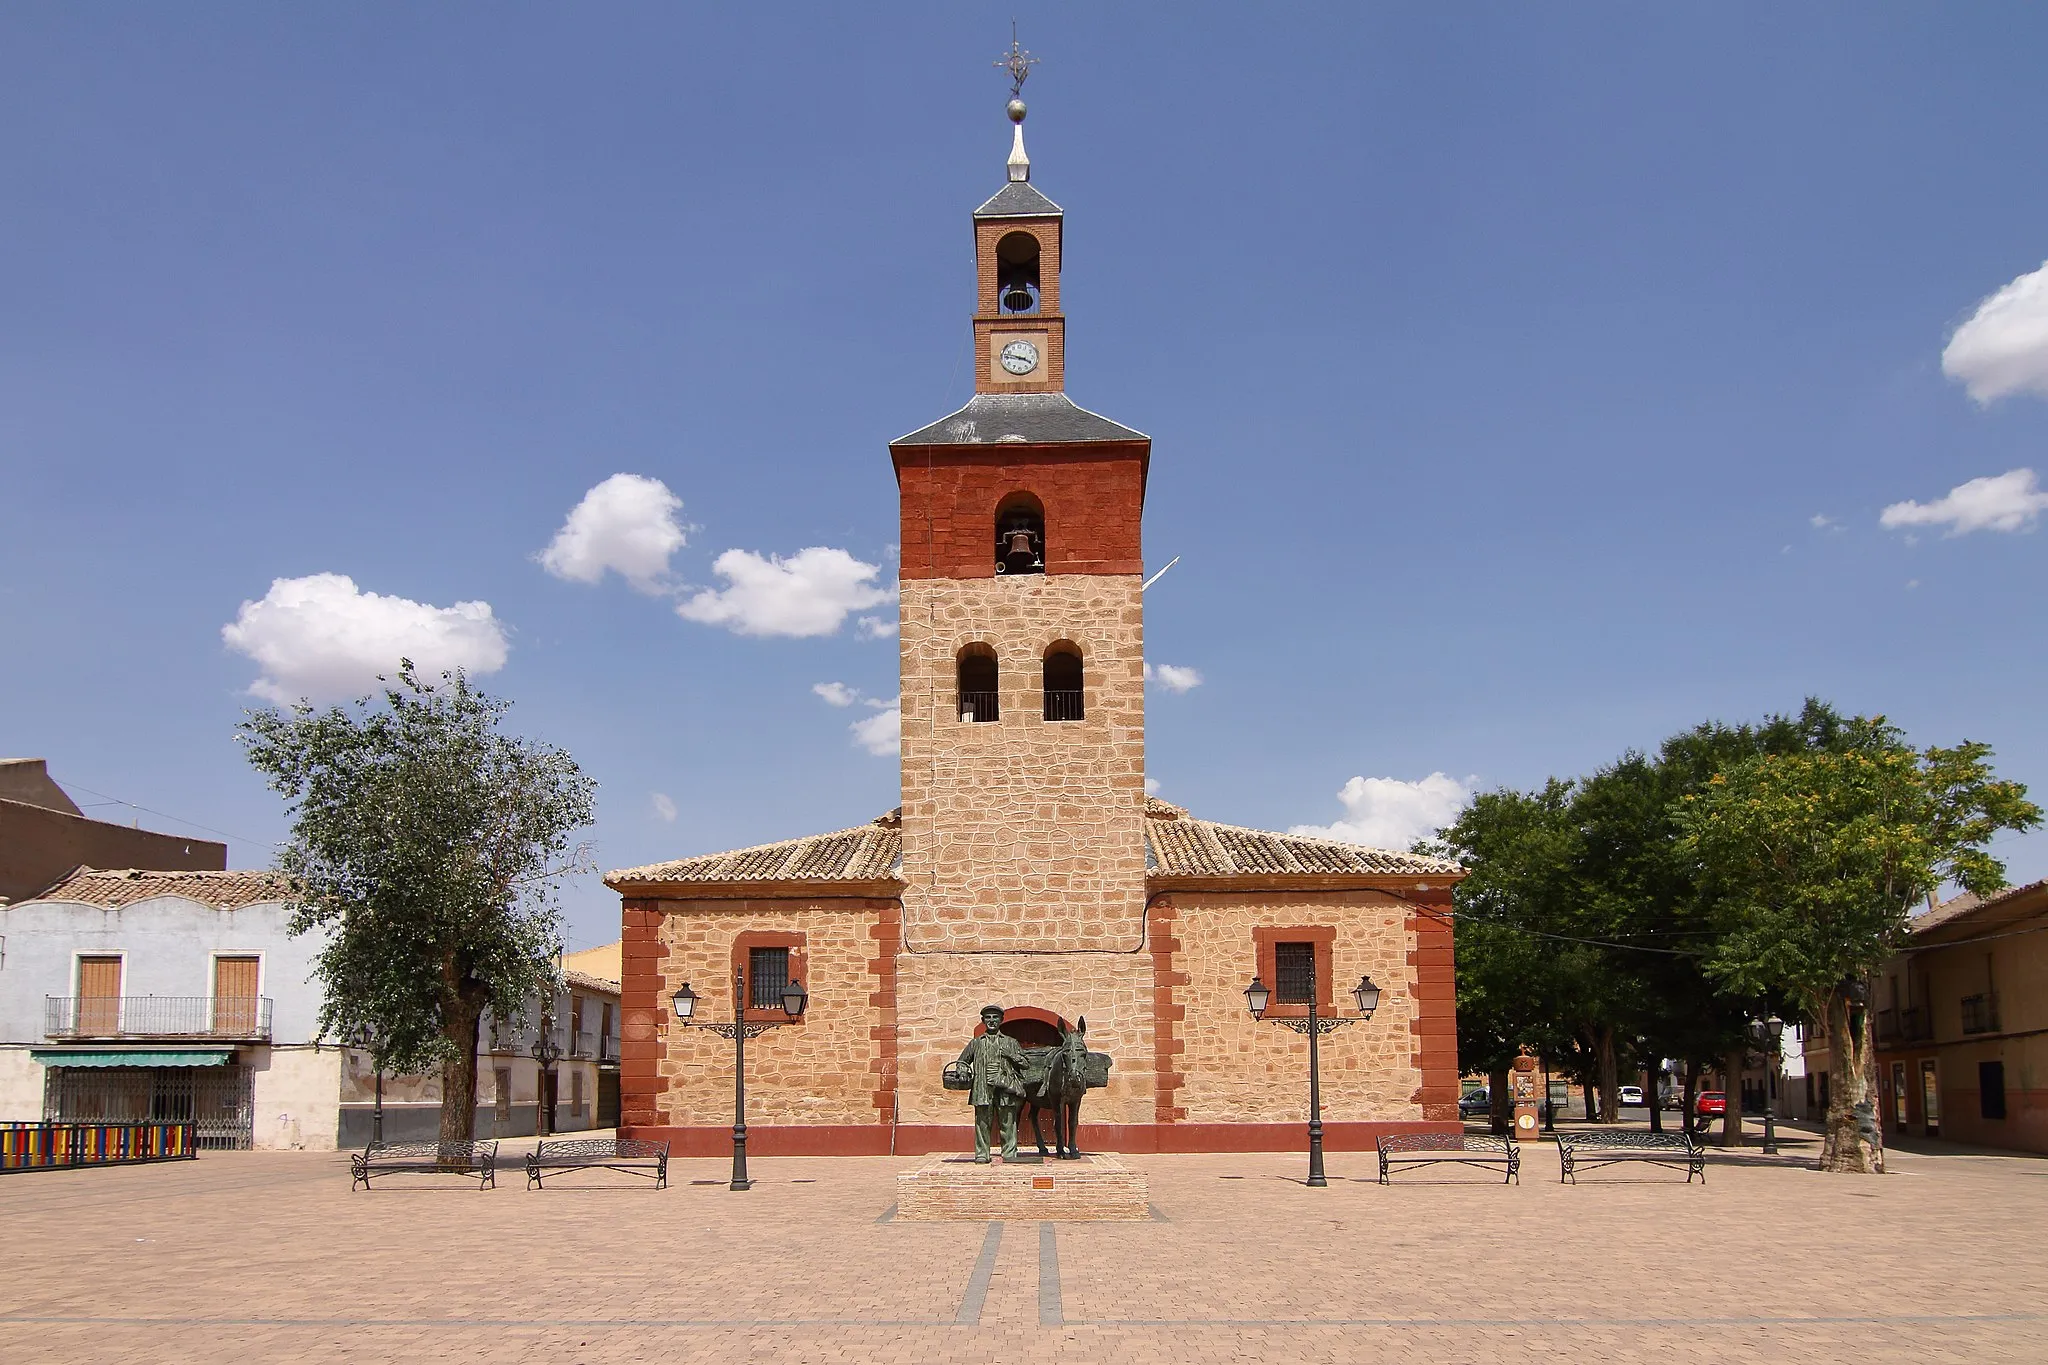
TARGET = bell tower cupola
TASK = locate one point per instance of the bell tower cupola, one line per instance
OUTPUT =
(1020, 340)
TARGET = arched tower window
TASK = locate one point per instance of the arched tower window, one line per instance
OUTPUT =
(1020, 535)
(1017, 273)
(978, 698)
(1063, 683)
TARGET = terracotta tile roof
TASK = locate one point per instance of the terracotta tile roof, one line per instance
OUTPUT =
(865, 853)
(1178, 845)
(590, 983)
(116, 887)
(1969, 903)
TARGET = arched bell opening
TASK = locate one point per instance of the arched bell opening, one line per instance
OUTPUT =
(1020, 535)
(1063, 679)
(1017, 273)
(978, 693)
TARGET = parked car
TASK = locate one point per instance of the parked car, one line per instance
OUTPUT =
(1712, 1104)
(1632, 1094)
(1475, 1104)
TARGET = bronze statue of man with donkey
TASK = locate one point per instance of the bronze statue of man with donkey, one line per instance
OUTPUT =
(1054, 1080)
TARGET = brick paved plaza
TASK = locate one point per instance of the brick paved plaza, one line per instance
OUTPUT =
(269, 1256)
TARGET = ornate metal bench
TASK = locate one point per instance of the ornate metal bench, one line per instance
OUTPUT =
(477, 1160)
(1589, 1149)
(1427, 1149)
(613, 1154)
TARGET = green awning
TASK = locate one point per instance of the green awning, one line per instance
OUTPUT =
(212, 1056)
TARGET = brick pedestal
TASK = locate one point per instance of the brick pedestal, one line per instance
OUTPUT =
(1095, 1189)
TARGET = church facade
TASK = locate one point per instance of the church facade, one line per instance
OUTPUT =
(1026, 866)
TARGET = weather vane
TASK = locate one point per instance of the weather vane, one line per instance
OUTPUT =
(1018, 63)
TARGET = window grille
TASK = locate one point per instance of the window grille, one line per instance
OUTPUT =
(1294, 966)
(767, 974)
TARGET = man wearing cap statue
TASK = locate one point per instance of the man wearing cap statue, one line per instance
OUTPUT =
(996, 1064)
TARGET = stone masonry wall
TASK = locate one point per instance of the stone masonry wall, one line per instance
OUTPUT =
(820, 1070)
(1233, 1068)
(1024, 833)
(939, 997)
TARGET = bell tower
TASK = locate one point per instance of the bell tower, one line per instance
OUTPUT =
(1022, 631)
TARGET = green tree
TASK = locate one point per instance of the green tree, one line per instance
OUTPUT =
(428, 848)
(1813, 859)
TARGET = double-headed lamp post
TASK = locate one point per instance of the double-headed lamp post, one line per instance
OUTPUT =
(1367, 997)
(794, 1001)
(1766, 1033)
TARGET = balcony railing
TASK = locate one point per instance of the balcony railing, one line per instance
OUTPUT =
(156, 1016)
(1980, 1013)
(1063, 705)
(979, 706)
(583, 1043)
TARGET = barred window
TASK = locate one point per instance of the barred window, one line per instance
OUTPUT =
(1294, 966)
(767, 974)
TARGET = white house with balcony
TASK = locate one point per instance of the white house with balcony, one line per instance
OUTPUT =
(180, 995)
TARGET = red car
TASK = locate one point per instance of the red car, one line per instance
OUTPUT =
(1711, 1104)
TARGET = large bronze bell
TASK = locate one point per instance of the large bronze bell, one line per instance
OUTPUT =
(1017, 299)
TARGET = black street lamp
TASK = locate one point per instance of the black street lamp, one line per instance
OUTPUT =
(794, 1001)
(547, 1052)
(1367, 997)
(1767, 1033)
(365, 1039)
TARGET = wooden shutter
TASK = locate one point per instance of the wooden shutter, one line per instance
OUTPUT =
(234, 995)
(99, 996)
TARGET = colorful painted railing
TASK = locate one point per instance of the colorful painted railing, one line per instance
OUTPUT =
(49, 1146)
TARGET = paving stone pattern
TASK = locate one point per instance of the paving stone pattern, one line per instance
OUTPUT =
(269, 1256)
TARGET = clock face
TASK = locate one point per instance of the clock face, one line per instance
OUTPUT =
(1020, 357)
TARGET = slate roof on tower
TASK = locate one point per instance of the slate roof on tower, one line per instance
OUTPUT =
(1018, 200)
(1029, 418)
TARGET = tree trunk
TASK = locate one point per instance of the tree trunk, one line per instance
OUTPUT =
(1688, 1116)
(1610, 1079)
(1853, 1143)
(1500, 1104)
(459, 1026)
(1731, 1096)
(1592, 1110)
(1653, 1091)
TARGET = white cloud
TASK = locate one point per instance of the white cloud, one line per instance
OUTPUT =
(627, 524)
(1151, 786)
(2011, 501)
(2003, 348)
(882, 733)
(664, 808)
(812, 592)
(1821, 521)
(1385, 812)
(320, 637)
(876, 628)
(1172, 677)
(836, 693)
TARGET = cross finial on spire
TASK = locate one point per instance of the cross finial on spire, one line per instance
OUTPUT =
(1018, 63)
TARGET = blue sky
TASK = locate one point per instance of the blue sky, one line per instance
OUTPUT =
(1526, 383)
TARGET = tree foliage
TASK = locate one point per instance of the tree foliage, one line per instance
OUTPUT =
(1814, 860)
(427, 848)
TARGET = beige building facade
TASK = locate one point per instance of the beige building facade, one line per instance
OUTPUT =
(1026, 865)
